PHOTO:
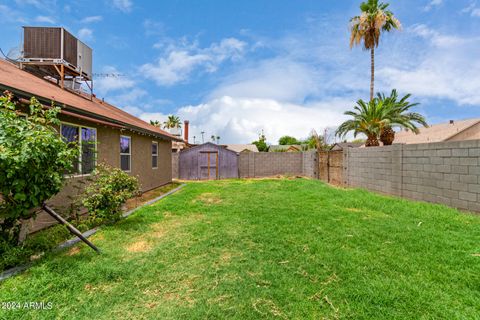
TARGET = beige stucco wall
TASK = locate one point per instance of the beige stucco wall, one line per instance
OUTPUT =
(472, 133)
(108, 151)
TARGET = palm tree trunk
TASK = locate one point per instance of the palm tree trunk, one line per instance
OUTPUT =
(372, 79)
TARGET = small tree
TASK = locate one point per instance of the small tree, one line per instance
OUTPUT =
(33, 160)
(261, 143)
(288, 140)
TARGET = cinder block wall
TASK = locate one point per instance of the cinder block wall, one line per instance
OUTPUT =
(446, 172)
(267, 164)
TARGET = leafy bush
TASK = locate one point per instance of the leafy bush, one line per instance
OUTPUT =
(33, 159)
(110, 189)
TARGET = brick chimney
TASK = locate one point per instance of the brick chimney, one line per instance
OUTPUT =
(185, 130)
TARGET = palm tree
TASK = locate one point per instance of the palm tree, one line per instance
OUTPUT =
(172, 122)
(379, 116)
(218, 139)
(397, 114)
(367, 119)
(367, 28)
(155, 123)
(213, 138)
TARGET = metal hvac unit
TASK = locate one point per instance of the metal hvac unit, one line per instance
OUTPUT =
(55, 46)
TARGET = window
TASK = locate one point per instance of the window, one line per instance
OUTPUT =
(85, 139)
(154, 155)
(125, 153)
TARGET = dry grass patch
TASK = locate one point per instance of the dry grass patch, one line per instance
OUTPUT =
(208, 198)
(73, 251)
(139, 246)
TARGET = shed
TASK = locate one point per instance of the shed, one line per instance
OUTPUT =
(208, 161)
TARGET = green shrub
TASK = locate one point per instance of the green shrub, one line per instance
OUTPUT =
(33, 160)
(105, 196)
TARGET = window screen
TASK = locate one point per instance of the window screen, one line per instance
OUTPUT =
(125, 153)
(154, 155)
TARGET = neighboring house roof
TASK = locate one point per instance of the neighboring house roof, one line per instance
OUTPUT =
(23, 83)
(242, 147)
(435, 133)
(284, 148)
(344, 145)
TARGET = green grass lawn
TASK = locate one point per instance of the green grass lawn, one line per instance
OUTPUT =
(265, 249)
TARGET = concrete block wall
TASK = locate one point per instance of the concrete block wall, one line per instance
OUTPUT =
(446, 172)
(267, 164)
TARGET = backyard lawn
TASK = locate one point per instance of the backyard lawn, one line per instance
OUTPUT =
(287, 248)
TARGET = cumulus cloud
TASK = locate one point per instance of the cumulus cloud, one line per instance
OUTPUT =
(178, 61)
(449, 70)
(240, 120)
(91, 19)
(122, 5)
(85, 34)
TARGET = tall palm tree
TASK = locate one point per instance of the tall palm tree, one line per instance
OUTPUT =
(397, 115)
(218, 139)
(367, 119)
(172, 122)
(213, 138)
(367, 28)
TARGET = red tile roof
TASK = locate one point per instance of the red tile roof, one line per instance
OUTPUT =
(16, 79)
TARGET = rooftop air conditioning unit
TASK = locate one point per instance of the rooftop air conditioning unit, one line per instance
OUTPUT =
(56, 46)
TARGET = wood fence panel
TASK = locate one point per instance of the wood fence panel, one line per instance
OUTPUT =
(331, 167)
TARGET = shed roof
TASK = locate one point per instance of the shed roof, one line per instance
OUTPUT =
(19, 81)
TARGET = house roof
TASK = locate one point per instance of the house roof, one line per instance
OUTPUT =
(435, 133)
(242, 147)
(278, 148)
(21, 82)
(344, 145)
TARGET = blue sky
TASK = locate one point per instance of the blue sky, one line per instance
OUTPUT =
(235, 68)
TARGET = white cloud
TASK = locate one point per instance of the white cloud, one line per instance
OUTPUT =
(240, 120)
(438, 39)
(123, 5)
(449, 70)
(472, 9)
(85, 34)
(112, 80)
(433, 4)
(180, 60)
(45, 19)
(91, 19)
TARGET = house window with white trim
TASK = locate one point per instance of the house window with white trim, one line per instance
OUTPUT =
(85, 139)
(125, 153)
(154, 155)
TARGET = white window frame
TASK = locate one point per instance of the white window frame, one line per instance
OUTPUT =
(79, 173)
(126, 154)
(154, 155)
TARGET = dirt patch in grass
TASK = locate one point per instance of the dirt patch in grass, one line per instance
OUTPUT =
(73, 251)
(208, 198)
(139, 246)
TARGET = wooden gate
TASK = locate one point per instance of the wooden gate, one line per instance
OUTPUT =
(208, 161)
(331, 167)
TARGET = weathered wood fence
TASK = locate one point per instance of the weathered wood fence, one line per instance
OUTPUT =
(331, 167)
